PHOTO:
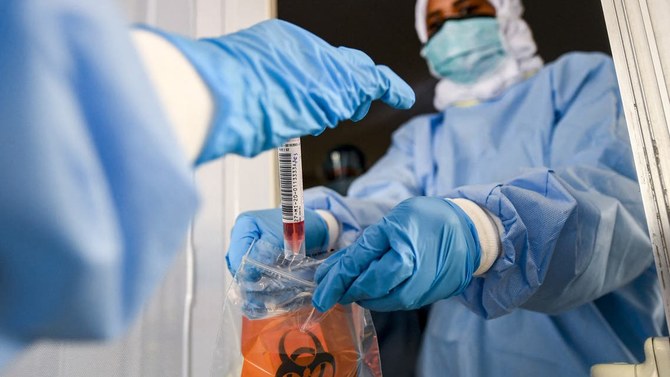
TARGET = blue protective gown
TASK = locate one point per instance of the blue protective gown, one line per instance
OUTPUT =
(96, 195)
(575, 283)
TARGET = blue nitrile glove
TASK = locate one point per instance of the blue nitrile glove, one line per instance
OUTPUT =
(275, 81)
(265, 293)
(426, 249)
(266, 285)
(267, 225)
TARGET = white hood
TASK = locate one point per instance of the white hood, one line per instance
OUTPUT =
(521, 60)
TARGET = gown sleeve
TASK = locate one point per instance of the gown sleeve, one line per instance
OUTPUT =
(96, 194)
(575, 231)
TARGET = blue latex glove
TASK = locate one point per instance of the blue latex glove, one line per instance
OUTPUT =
(266, 286)
(267, 226)
(426, 249)
(263, 292)
(275, 81)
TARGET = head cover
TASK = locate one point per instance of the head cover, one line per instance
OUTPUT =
(521, 59)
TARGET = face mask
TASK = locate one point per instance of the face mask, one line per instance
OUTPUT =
(465, 50)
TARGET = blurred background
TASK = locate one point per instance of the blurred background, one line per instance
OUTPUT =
(385, 31)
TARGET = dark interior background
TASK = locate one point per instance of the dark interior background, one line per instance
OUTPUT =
(384, 29)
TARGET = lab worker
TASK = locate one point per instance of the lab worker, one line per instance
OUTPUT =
(514, 211)
(100, 128)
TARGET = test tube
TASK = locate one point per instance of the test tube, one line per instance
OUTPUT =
(292, 202)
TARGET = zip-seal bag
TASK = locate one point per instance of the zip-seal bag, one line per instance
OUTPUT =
(270, 327)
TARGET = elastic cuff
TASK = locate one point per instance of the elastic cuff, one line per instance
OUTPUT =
(333, 227)
(489, 228)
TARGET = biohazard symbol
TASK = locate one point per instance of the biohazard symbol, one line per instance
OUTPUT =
(305, 361)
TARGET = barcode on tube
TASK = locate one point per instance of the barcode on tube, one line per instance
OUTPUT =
(290, 182)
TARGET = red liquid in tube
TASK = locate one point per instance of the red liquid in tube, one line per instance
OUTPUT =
(292, 202)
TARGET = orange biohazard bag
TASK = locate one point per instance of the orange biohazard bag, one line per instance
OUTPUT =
(271, 329)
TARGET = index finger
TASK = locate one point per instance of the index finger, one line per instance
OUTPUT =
(378, 81)
(397, 92)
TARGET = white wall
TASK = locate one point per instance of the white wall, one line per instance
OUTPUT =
(229, 187)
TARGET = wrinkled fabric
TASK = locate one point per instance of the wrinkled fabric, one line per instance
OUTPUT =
(275, 81)
(552, 160)
(431, 246)
(96, 194)
(521, 60)
(612, 328)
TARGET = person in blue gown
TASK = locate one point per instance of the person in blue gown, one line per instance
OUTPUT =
(100, 129)
(514, 211)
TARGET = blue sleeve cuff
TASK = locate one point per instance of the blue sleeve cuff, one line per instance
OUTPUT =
(533, 209)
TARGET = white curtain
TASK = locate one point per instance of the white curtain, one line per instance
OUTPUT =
(177, 331)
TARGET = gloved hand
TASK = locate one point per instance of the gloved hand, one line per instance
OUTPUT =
(267, 225)
(266, 286)
(275, 81)
(426, 249)
(263, 292)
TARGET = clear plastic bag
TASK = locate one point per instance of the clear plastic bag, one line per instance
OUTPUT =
(270, 327)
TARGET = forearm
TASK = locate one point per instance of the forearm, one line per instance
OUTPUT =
(566, 239)
(603, 246)
(184, 96)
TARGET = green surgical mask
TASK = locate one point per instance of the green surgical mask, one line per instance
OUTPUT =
(465, 50)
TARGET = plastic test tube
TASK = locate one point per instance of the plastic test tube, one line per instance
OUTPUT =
(292, 202)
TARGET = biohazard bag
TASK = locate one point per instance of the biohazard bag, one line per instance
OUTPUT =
(270, 327)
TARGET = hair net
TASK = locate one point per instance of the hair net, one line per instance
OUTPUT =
(521, 61)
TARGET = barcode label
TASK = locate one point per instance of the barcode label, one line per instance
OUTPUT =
(290, 182)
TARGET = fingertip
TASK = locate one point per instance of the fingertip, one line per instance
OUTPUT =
(321, 301)
(330, 285)
(362, 111)
(320, 309)
(399, 94)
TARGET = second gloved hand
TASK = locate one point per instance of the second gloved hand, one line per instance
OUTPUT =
(267, 225)
(263, 292)
(426, 249)
(276, 81)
